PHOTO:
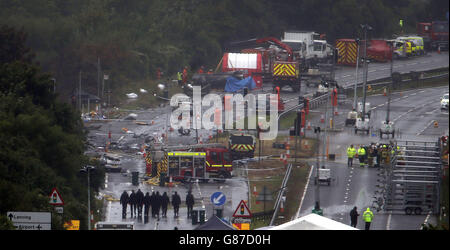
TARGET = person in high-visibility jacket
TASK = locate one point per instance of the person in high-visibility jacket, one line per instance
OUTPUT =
(361, 155)
(179, 77)
(368, 217)
(408, 48)
(351, 152)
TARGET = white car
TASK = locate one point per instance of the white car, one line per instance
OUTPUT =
(444, 102)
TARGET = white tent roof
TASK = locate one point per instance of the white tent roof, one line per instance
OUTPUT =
(313, 222)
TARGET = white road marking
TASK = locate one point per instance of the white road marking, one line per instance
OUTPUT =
(304, 192)
(431, 122)
(388, 224)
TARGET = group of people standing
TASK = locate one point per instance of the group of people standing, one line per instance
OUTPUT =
(154, 202)
(381, 153)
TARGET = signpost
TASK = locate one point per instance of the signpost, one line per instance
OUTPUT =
(218, 198)
(55, 198)
(242, 216)
(30, 220)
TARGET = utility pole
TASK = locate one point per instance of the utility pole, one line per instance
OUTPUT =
(365, 27)
(79, 91)
(356, 80)
(317, 192)
(98, 76)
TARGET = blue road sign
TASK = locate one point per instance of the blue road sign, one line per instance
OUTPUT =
(218, 198)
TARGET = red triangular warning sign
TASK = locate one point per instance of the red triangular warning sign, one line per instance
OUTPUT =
(55, 198)
(242, 210)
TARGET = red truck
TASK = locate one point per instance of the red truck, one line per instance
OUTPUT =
(274, 62)
(191, 162)
(378, 50)
(435, 34)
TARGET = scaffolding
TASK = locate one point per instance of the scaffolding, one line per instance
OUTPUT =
(412, 181)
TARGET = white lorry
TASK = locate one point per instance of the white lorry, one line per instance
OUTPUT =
(306, 44)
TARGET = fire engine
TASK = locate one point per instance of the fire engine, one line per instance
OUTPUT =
(276, 62)
(435, 34)
(187, 163)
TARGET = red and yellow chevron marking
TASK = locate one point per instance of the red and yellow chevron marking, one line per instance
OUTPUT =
(242, 147)
(348, 52)
(284, 69)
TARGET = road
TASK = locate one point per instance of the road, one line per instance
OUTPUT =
(414, 113)
(352, 186)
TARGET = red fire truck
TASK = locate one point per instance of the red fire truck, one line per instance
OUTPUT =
(201, 162)
(435, 34)
(266, 60)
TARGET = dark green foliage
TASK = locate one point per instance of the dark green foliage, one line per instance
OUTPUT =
(135, 37)
(42, 140)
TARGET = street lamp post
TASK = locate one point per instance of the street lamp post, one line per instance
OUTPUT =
(365, 28)
(86, 169)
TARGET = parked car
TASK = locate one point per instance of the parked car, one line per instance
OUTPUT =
(444, 102)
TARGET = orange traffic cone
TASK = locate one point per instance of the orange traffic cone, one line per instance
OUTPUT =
(384, 92)
(309, 126)
(336, 111)
(436, 124)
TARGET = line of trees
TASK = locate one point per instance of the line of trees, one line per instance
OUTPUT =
(135, 37)
(42, 140)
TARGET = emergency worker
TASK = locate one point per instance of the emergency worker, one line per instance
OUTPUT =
(368, 217)
(361, 155)
(351, 152)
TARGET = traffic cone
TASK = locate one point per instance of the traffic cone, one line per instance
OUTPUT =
(302, 133)
(384, 92)
(436, 124)
(322, 119)
(200, 140)
(336, 111)
(309, 126)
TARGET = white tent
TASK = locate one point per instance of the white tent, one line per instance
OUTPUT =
(313, 222)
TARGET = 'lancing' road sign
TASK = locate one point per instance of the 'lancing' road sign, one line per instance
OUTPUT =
(30, 220)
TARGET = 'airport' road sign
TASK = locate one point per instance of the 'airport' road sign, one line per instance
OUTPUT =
(30, 220)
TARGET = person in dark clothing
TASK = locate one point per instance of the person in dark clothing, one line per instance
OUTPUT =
(132, 202)
(124, 201)
(176, 201)
(189, 203)
(354, 217)
(153, 204)
(146, 205)
(139, 201)
(157, 204)
(164, 203)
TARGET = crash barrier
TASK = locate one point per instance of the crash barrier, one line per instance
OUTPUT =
(263, 216)
(412, 182)
(413, 77)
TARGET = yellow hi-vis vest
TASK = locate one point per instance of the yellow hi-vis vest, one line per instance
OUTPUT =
(408, 48)
(351, 152)
(368, 215)
(361, 151)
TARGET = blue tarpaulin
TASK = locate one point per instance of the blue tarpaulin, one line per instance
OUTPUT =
(234, 85)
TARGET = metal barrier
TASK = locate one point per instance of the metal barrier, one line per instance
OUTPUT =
(412, 181)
